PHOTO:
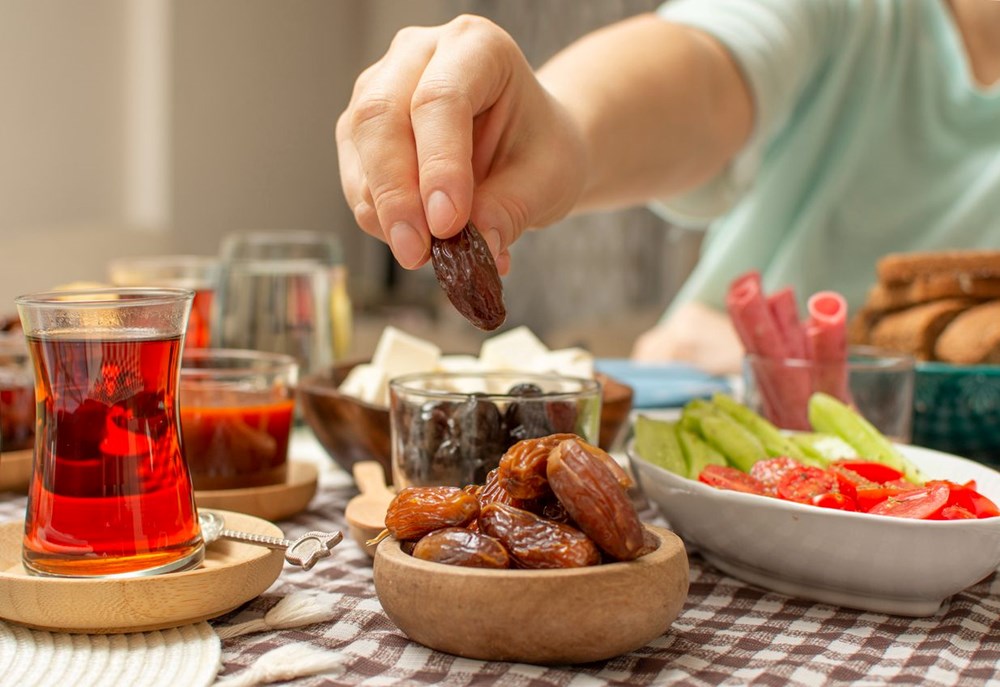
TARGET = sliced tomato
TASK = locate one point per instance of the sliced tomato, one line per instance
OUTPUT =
(966, 497)
(920, 504)
(956, 513)
(835, 500)
(982, 506)
(849, 475)
(725, 477)
(903, 484)
(805, 482)
(869, 497)
(879, 473)
(769, 471)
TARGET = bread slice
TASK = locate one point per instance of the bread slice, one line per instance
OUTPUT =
(931, 287)
(900, 268)
(915, 330)
(972, 338)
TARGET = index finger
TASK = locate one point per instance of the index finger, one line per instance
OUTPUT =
(465, 77)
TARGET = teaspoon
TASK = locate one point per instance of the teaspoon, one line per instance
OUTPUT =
(303, 552)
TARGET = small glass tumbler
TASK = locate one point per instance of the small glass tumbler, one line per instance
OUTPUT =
(197, 272)
(451, 429)
(110, 494)
(279, 306)
(322, 247)
(877, 384)
(236, 416)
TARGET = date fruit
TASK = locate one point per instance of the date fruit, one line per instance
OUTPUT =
(594, 498)
(534, 542)
(468, 274)
(457, 546)
(418, 511)
(522, 468)
(493, 491)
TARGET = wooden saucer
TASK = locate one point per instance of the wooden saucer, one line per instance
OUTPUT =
(231, 575)
(273, 502)
(15, 470)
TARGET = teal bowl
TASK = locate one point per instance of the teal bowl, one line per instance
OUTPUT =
(956, 409)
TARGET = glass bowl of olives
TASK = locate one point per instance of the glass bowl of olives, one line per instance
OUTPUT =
(451, 428)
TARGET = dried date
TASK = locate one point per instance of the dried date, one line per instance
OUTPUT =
(417, 511)
(493, 491)
(522, 468)
(468, 274)
(594, 498)
(457, 546)
(534, 542)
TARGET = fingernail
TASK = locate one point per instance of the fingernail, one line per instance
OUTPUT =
(407, 244)
(440, 212)
(492, 237)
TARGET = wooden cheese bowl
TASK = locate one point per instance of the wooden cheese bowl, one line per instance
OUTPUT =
(545, 617)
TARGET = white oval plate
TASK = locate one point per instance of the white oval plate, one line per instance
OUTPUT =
(869, 562)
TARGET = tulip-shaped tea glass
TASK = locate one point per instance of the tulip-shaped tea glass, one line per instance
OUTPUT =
(197, 272)
(110, 493)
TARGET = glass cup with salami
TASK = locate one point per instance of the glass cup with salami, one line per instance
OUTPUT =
(110, 494)
(877, 384)
(451, 428)
(17, 394)
(236, 416)
(196, 272)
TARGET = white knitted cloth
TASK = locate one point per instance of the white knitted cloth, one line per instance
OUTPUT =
(190, 655)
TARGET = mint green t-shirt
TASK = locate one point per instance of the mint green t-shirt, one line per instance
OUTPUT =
(871, 136)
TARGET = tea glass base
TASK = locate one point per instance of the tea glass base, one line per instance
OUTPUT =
(187, 562)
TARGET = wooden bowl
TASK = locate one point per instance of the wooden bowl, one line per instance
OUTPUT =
(352, 431)
(349, 429)
(534, 616)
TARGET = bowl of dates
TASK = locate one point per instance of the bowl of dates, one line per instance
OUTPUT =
(451, 428)
(545, 563)
(352, 430)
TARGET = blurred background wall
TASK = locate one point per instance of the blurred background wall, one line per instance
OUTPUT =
(150, 126)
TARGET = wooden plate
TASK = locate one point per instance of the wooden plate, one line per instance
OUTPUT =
(15, 470)
(231, 575)
(573, 615)
(273, 502)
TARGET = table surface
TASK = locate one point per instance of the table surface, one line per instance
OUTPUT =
(728, 633)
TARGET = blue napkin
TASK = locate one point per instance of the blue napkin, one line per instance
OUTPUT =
(662, 385)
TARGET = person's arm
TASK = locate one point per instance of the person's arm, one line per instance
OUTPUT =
(661, 107)
(452, 124)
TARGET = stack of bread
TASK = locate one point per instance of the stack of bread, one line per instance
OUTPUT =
(941, 305)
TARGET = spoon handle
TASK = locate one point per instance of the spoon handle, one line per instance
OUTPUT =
(258, 539)
(303, 552)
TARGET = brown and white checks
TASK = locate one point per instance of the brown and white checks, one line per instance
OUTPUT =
(729, 633)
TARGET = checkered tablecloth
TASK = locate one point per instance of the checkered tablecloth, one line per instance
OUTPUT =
(728, 633)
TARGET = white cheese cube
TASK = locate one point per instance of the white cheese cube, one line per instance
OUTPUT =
(366, 383)
(517, 349)
(398, 353)
(572, 362)
(459, 363)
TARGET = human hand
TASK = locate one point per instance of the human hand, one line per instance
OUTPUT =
(451, 124)
(695, 334)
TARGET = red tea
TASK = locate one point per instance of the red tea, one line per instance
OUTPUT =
(110, 492)
(199, 329)
(17, 417)
(235, 439)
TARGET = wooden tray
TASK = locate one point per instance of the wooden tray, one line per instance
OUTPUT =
(231, 575)
(15, 470)
(273, 502)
